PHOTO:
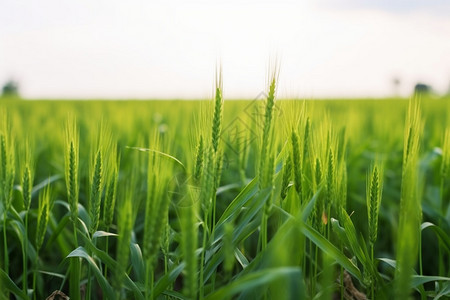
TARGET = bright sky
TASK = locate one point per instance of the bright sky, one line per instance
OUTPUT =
(169, 49)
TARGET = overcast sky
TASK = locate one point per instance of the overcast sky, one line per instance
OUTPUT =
(169, 49)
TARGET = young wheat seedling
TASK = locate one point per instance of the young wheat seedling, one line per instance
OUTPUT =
(7, 173)
(408, 245)
(125, 227)
(71, 175)
(27, 185)
(96, 192)
(374, 189)
(44, 209)
(156, 212)
(287, 172)
(296, 160)
(444, 191)
(266, 166)
(188, 247)
(199, 159)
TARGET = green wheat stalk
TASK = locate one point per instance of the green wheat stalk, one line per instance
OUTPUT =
(287, 173)
(71, 168)
(96, 192)
(110, 198)
(188, 247)
(27, 185)
(217, 119)
(266, 167)
(409, 233)
(199, 159)
(71, 156)
(296, 160)
(7, 174)
(374, 189)
(125, 226)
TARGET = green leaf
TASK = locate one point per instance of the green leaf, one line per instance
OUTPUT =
(60, 276)
(82, 213)
(19, 229)
(227, 187)
(9, 285)
(102, 281)
(256, 280)
(331, 250)
(284, 249)
(44, 183)
(421, 279)
(390, 262)
(416, 280)
(308, 208)
(112, 265)
(137, 262)
(442, 235)
(340, 231)
(12, 212)
(240, 257)
(175, 295)
(240, 201)
(256, 205)
(244, 228)
(445, 291)
(162, 284)
(287, 238)
(350, 232)
(84, 226)
(160, 153)
(347, 235)
(98, 234)
(61, 226)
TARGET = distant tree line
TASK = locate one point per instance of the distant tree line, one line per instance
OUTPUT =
(422, 88)
(10, 89)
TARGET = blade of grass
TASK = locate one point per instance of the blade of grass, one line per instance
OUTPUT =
(102, 281)
(9, 285)
(256, 280)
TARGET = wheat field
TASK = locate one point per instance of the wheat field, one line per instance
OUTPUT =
(254, 199)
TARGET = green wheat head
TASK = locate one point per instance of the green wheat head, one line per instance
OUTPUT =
(111, 179)
(410, 203)
(27, 174)
(199, 159)
(287, 173)
(218, 111)
(297, 163)
(3, 159)
(306, 139)
(7, 162)
(43, 215)
(27, 185)
(96, 192)
(157, 203)
(266, 142)
(110, 197)
(330, 179)
(207, 180)
(71, 155)
(374, 189)
(319, 207)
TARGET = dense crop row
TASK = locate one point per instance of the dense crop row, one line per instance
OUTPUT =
(220, 200)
